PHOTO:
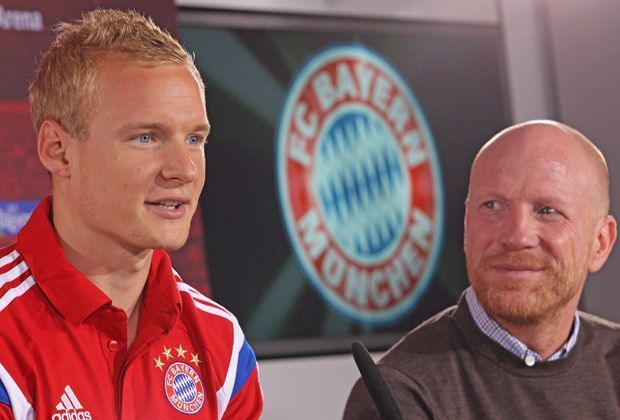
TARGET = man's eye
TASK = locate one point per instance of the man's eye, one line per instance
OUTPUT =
(144, 138)
(548, 210)
(194, 140)
(492, 204)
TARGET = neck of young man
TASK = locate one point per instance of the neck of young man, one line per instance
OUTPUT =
(125, 288)
(546, 334)
(123, 281)
(121, 274)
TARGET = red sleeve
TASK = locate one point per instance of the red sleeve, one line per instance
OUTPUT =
(5, 412)
(248, 402)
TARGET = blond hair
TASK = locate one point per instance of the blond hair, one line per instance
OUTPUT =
(65, 84)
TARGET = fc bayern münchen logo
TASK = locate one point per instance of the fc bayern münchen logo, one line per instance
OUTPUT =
(184, 388)
(359, 184)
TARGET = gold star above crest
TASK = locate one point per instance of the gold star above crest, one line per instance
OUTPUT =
(195, 359)
(180, 351)
(167, 352)
(159, 363)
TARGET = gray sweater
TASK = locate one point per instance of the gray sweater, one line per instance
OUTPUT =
(448, 369)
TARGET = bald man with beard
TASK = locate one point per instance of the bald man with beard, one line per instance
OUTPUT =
(515, 346)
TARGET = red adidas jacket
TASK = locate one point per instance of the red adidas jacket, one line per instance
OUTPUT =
(63, 346)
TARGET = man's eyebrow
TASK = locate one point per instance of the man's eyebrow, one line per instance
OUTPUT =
(486, 193)
(203, 127)
(161, 127)
(142, 126)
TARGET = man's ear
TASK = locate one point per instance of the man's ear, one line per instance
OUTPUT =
(603, 243)
(53, 142)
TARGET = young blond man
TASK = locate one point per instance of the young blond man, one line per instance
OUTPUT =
(95, 321)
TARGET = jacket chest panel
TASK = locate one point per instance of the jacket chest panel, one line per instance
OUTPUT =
(93, 375)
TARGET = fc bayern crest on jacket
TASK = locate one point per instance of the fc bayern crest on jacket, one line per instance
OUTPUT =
(182, 384)
(359, 184)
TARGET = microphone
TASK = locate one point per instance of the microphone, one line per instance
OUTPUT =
(377, 388)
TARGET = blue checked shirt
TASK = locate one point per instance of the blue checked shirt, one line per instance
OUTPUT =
(508, 341)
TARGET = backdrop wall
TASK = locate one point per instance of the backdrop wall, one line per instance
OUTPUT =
(562, 60)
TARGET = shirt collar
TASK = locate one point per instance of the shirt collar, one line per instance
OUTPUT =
(71, 292)
(162, 299)
(502, 337)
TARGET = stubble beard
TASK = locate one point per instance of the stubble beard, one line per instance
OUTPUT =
(545, 300)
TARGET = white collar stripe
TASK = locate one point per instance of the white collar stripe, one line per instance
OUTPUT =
(214, 311)
(7, 259)
(196, 295)
(15, 292)
(13, 273)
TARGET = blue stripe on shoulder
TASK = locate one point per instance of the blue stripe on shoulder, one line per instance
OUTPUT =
(245, 366)
(4, 395)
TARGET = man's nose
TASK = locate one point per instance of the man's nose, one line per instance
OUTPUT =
(519, 229)
(178, 162)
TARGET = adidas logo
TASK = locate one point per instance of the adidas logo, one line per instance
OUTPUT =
(71, 407)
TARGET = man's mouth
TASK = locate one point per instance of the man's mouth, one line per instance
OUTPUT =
(170, 205)
(169, 208)
(516, 262)
(514, 267)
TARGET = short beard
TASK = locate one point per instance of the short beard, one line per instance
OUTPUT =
(545, 302)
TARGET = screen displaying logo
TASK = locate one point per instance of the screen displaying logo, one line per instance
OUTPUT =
(359, 184)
